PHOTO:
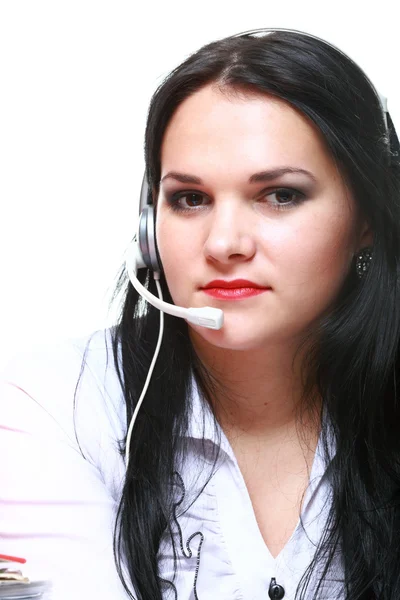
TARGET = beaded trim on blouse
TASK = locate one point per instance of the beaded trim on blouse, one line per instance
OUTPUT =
(186, 549)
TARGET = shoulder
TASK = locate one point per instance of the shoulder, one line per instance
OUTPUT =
(41, 366)
(73, 381)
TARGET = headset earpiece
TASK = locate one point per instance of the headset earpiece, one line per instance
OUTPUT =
(147, 230)
(147, 239)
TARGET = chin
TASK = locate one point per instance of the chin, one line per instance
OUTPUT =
(229, 337)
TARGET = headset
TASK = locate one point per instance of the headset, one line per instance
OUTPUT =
(142, 252)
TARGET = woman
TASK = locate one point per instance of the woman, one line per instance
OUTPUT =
(264, 460)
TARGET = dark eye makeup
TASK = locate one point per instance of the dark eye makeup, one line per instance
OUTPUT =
(193, 200)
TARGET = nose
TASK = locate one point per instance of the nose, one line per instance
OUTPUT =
(230, 237)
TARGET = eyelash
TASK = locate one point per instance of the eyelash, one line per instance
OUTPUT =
(173, 201)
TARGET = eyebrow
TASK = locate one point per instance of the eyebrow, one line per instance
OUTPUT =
(260, 177)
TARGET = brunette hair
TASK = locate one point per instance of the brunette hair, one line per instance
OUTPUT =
(355, 361)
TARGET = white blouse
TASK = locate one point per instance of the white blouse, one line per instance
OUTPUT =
(61, 476)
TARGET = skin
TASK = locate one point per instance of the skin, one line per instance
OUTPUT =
(303, 252)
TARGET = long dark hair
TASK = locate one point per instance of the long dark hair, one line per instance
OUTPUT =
(355, 361)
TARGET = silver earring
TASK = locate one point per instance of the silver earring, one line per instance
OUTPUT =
(363, 261)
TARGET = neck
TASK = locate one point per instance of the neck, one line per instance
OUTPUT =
(259, 393)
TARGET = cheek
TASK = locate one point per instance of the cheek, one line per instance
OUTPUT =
(174, 245)
(315, 258)
(177, 251)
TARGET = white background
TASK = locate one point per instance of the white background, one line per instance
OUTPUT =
(76, 78)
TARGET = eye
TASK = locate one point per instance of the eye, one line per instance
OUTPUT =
(190, 201)
(187, 201)
(285, 198)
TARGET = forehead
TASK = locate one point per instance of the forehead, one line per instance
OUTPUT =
(242, 130)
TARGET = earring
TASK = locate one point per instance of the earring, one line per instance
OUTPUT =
(363, 261)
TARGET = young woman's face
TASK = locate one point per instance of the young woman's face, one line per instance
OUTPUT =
(230, 209)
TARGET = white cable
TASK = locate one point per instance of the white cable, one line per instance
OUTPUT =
(146, 385)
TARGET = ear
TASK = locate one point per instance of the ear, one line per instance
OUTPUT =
(366, 236)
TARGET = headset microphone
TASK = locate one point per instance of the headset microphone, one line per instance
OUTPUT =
(209, 317)
(142, 253)
(212, 318)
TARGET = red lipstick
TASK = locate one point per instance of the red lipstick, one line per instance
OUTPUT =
(233, 290)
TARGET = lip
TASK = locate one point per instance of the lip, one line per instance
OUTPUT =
(233, 290)
(235, 283)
